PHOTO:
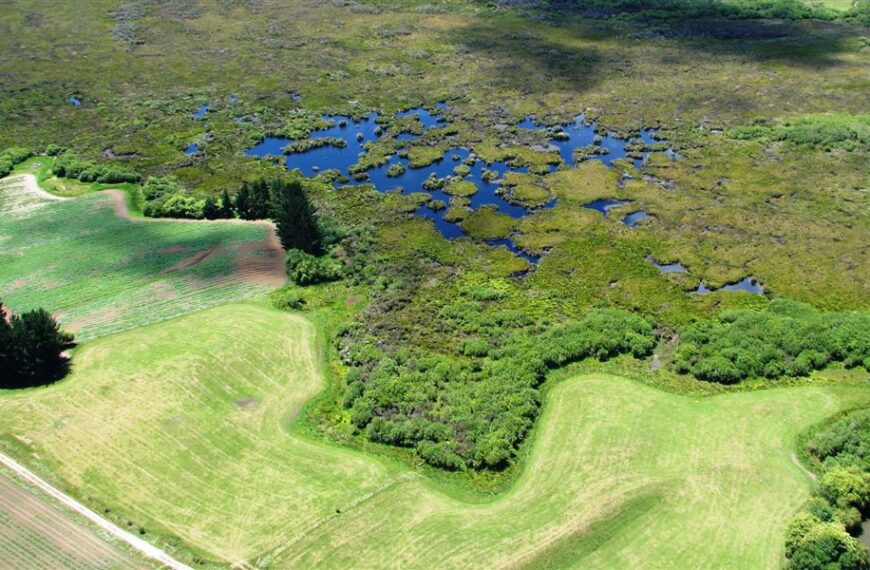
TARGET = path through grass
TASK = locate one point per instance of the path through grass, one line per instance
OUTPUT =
(185, 427)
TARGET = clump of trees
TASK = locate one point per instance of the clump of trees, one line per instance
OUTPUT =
(475, 411)
(10, 157)
(165, 197)
(823, 534)
(786, 339)
(68, 165)
(31, 349)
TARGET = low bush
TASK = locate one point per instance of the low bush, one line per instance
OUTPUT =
(165, 197)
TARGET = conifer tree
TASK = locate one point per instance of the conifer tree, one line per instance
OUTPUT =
(210, 209)
(226, 205)
(5, 345)
(294, 217)
(243, 202)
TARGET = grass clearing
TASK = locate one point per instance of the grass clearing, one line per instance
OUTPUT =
(100, 272)
(185, 428)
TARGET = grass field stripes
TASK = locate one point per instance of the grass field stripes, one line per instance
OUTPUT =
(101, 273)
(185, 428)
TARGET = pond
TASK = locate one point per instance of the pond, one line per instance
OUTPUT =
(745, 285)
(632, 219)
(604, 205)
(667, 267)
(201, 111)
(349, 137)
(75, 101)
(606, 147)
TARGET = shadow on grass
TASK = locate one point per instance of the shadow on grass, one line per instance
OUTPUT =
(707, 27)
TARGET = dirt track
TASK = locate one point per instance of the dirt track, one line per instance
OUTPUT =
(135, 542)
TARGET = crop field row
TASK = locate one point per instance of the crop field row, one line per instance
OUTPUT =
(101, 272)
(38, 536)
(186, 429)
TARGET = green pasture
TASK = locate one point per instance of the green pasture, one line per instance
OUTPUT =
(186, 428)
(101, 273)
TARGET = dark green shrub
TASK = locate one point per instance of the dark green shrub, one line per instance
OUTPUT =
(306, 269)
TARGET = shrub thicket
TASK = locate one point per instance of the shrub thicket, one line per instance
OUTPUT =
(10, 157)
(165, 197)
(306, 269)
(474, 412)
(786, 339)
(823, 534)
(683, 10)
(829, 131)
(67, 165)
(31, 349)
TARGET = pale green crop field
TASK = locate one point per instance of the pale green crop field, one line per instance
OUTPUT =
(186, 428)
(101, 273)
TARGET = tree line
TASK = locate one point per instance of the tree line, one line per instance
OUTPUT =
(31, 349)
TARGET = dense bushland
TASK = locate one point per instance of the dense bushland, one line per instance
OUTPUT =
(67, 165)
(822, 535)
(10, 157)
(473, 409)
(31, 349)
(699, 9)
(786, 339)
(829, 131)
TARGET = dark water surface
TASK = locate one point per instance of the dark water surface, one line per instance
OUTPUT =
(356, 134)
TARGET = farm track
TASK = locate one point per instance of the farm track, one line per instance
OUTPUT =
(53, 538)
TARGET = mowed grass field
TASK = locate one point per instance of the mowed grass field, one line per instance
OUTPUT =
(101, 272)
(186, 427)
(34, 534)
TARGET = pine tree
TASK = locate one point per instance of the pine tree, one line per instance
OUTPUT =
(294, 217)
(243, 202)
(226, 205)
(260, 200)
(210, 209)
(6, 353)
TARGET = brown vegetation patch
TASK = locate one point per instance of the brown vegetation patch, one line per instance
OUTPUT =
(198, 257)
(247, 403)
